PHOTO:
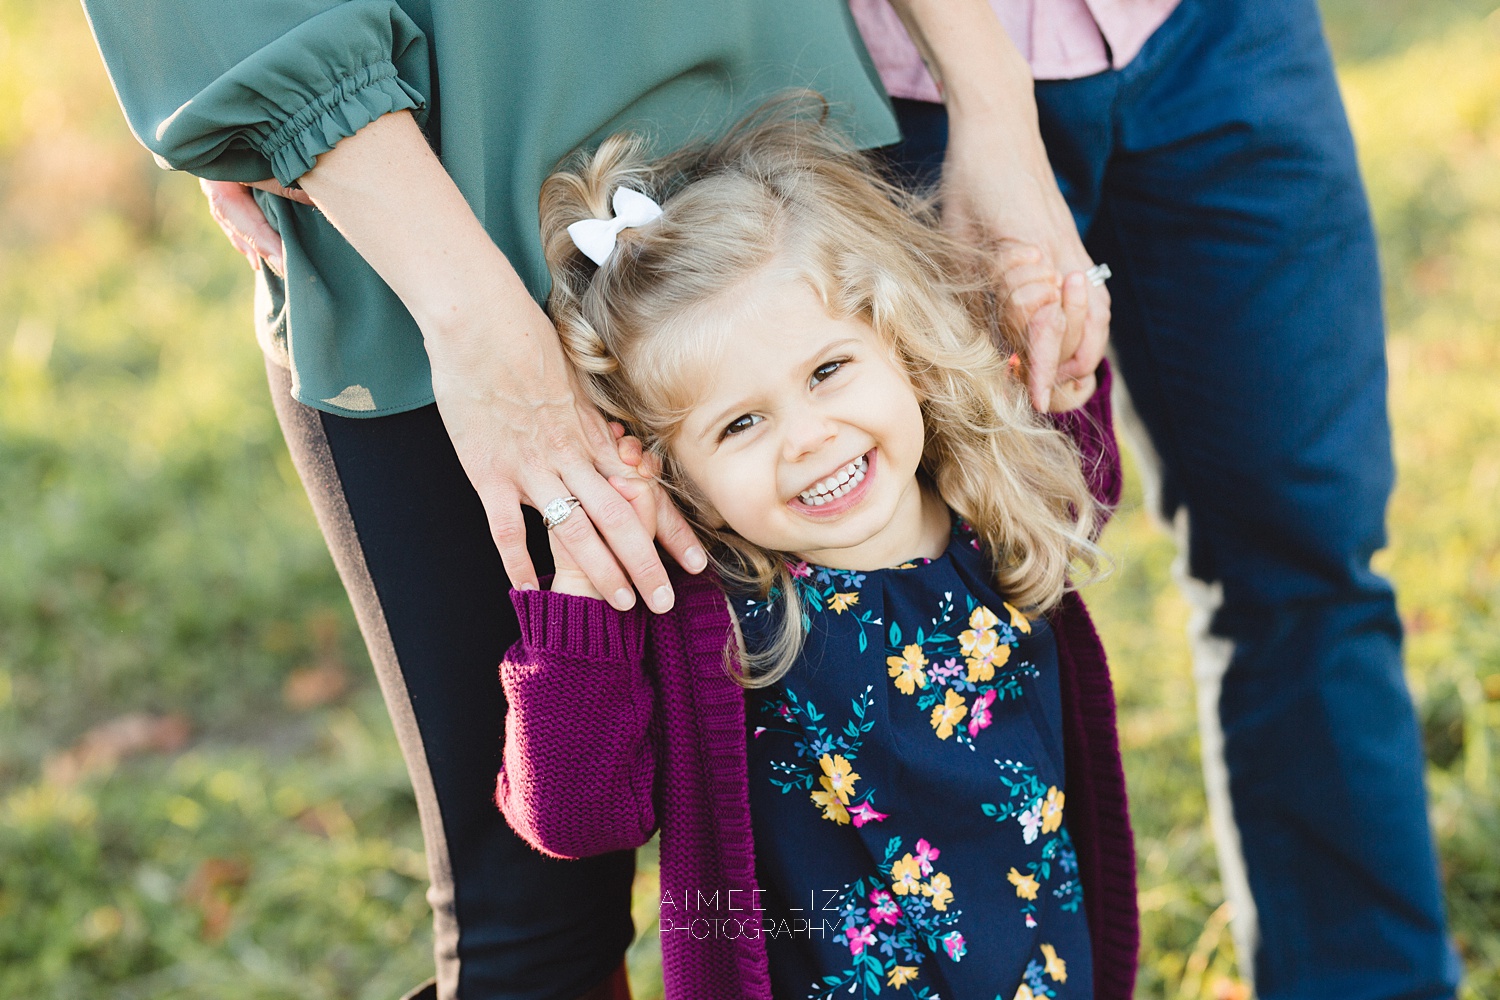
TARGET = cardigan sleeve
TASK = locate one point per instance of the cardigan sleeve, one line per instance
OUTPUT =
(248, 89)
(578, 768)
(1092, 429)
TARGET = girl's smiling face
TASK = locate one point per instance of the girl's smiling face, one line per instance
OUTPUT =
(806, 435)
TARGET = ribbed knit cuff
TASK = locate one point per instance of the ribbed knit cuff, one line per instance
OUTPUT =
(583, 627)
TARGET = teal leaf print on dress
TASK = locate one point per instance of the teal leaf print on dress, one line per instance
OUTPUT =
(1038, 809)
(940, 670)
(894, 922)
(824, 756)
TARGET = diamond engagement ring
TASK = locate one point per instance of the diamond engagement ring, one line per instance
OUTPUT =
(1098, 274)
(557, 511)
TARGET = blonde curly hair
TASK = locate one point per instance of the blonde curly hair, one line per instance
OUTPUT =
(782, 188)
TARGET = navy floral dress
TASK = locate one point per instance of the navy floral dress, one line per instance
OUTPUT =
(906, 792)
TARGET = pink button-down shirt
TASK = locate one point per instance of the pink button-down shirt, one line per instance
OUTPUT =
(1062, 39)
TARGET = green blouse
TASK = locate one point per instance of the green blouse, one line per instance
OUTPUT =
(504, 89)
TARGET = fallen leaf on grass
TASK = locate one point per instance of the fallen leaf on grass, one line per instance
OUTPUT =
(1230, 989)
(327, 819)
(213, 889)
(314, 687)
(103, 747)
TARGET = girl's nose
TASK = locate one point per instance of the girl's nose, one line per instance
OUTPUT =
(807, 433)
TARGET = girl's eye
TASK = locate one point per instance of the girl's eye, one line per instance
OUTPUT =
(744, 423)
(826, 370)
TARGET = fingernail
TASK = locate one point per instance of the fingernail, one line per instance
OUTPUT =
(527, 586)
(278, 265)
(624, 599)
(697, 559)
(661, 601)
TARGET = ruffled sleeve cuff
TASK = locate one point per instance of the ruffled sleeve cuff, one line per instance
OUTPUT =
(354, 102)
(292, 99)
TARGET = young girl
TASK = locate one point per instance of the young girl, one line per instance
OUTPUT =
(879, 741)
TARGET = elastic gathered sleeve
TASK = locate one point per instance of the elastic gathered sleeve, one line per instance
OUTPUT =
(578, 768)
(1092, 428)
(248, 89)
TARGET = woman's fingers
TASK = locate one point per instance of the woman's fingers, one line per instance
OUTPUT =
(234, 209)
(607, 540)
(1073, 389)
(1044, 339)
(274, 187)
(1090, 350)
(508, 529)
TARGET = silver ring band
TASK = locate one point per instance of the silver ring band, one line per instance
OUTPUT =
(1098, 274)
(558, 511)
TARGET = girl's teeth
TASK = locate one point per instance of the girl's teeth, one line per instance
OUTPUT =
(836, 485)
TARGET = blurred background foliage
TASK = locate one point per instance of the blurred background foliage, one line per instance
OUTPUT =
(200, 794)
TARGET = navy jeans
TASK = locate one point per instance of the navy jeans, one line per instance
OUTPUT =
(1216, 175)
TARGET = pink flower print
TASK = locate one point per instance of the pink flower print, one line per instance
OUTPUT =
(1030, 920)
(954, 945)
(865, 813)
(926, 855)
(979, 715)
(800, 570)
(883, 908)
(859, 937)
(759, 730)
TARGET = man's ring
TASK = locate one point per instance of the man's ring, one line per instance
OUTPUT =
(557, 511)
(1098, 274)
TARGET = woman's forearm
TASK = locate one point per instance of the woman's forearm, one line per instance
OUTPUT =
(390, 196)
(983, 77)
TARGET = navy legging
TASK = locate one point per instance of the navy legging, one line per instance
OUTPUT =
(413, 548)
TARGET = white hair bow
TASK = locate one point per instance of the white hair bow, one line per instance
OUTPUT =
(596, 237)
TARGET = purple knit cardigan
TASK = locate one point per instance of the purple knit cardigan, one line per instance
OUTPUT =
(622, 723)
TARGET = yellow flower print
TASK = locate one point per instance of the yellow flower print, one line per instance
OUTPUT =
(842, 602)
(832, 808)
(907, 669)
(982, 619)
(1052, 810)
(982, 667)
(1018, 621)
(949, 714)
(940, 889)
(838, 777)
(1026, 885)
(1024, 993)
(1056, 967)
(906, 877)
(901, 975)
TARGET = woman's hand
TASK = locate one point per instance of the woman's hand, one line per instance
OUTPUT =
(525, 434)
(235, 210)
(1033, 286)
(1012, 197)
(998, 184)
(639, 487)
(521, 428)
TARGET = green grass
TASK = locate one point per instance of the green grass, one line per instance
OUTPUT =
(157, 557)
